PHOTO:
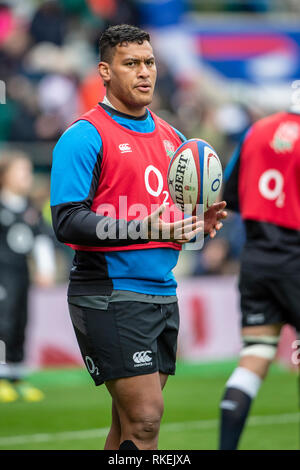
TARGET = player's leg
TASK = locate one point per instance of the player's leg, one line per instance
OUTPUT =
(140, 407)
(16, 357)
(262, 318)
(19, 315)
(13, 326)
(120, 340)
(167, 316)
(114, 435)
(7, 308)
(167, 342)
(163, 379)
(260, 345)
(113, 438)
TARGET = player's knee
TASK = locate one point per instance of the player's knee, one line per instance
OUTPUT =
(145, 421)
(258, 352)
(148, 426)
(264, 347)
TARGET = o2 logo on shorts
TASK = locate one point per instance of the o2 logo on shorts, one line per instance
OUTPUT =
(141, 358)
(91, 365)
(270, 186)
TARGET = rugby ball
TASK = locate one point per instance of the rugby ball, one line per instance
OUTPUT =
(194, 176)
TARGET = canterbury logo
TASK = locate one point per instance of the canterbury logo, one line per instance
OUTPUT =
(141, 357)
(125, 148)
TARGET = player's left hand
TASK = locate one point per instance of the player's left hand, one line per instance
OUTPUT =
(213, 217)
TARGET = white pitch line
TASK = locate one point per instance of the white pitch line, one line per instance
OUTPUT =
(253, 421)
(61, 436)
(286, 418)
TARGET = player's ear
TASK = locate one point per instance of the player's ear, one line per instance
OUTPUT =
(104, 71)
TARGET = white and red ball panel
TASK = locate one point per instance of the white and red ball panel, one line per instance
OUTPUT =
(212, 176)
(194, 175)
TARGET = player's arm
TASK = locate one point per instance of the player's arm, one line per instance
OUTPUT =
(75, 174)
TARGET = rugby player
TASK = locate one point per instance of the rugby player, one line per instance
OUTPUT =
(262, 183)
(122, 293)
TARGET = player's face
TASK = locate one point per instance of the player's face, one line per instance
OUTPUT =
(130, 77)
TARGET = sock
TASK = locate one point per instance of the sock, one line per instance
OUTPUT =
(241, 389)
(4, 372)
(17, 371)
(128, 445)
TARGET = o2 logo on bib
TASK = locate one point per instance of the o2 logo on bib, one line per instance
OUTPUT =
(270, 186)
(158, 188)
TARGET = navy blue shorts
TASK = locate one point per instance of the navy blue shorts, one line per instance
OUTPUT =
(125, 339)
(269, 299)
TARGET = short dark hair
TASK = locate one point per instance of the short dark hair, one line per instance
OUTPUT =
(119, 34)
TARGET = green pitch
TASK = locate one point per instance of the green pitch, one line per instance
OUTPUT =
(76, 414)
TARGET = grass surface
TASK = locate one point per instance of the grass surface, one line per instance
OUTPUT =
(75, 413)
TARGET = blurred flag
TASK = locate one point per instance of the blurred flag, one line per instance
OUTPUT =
(253, 53)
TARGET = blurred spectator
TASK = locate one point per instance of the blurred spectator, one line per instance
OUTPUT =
(104, 8)
(57, 96)
(14, 42)
(49, 23)
(91, 91)
(22, 232)
(7, 22)
(114, 11)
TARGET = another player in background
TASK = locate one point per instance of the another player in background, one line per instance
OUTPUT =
(263, 184)
(22, 232)
(122, 293)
